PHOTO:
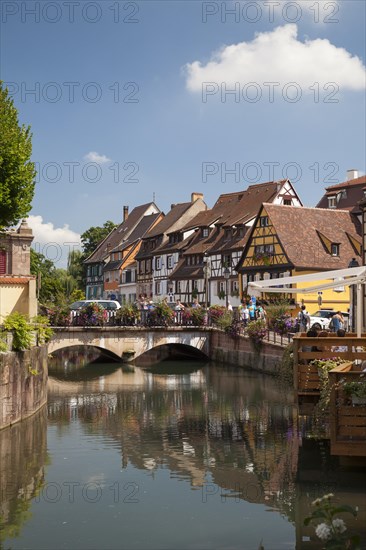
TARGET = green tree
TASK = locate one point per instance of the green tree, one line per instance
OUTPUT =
(94, 235)
(76, 269)
(50, 288)
(17, 172)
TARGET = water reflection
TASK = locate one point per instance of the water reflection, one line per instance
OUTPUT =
(203, 446)
(228, 433)
(23, 456)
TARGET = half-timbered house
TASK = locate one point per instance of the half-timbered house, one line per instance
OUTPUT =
(240, 211)
(286, 241)
(120, 271)
(346, 196)
(96, 276)
(220, 235)
(156, 259)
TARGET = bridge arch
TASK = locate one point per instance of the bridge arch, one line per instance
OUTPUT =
(128, 343)
(107, 353)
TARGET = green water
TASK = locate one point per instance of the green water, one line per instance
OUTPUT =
(182, 456)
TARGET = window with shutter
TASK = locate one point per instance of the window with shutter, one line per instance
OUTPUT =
(2, 262)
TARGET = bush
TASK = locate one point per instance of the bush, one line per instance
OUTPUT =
(216, 312)
(198, 316)
(21, 329)
(128, 315)
(3, 345)
(275, 311)
(59, 316)
(286, 368)
(256, 330)
(282, 324)
(161, 315)
(225, 321)
(43, 330)
(92, 315)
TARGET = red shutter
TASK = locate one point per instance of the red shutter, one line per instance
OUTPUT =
(2, 262)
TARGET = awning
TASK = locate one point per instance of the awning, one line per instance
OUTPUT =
(341, 277)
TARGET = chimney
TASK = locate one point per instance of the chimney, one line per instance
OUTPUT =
(125, 213)
(196, 196)
(352, 174)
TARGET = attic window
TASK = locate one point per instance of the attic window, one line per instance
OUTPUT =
(334, 249)
(332, 202)
(287, 202)
(263, 221)
(205, 232)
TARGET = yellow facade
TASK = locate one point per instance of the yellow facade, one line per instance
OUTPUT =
(18, 297)
(264, 251)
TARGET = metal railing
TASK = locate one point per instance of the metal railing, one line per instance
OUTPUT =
(148, 318)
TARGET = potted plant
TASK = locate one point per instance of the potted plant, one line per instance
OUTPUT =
(356, 390)
(263, 257)
(256, 331)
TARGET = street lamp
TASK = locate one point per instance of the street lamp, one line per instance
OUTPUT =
(206, 272)
(353, 263)
(226, 277)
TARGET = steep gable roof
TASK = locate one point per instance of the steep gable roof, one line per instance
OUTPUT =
(298, 232)
(239, 207)
(140, 230)
(170, 223)
(355, 192)
(119, 234)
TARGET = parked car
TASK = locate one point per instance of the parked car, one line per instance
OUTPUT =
(321, 318)
(107, 304)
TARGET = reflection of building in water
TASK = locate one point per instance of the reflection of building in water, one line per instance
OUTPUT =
(23, 455)
(229, 433)
(223, 433)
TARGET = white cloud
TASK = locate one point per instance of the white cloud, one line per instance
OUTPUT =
(53, 242)
(93, 156)
(278, 56)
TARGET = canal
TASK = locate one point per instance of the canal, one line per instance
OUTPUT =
(184, 455)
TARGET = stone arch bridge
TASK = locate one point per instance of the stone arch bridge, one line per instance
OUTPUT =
(128, 343)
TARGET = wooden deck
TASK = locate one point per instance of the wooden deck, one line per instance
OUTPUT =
(347, 422)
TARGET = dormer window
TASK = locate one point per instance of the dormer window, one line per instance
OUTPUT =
(332, 202)
(205, 232)
(334, 249)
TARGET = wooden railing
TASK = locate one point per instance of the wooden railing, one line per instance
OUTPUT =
(349, 348)
(347, 421)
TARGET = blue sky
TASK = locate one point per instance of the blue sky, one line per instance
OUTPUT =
(133, 105)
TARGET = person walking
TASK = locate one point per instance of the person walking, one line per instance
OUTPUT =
(252, 310)
(304, 319)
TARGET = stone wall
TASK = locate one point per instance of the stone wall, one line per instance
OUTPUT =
(23, 384)
(240, 352)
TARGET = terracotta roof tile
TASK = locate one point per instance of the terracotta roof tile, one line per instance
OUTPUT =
(118, 235)
(11, 280)
(297, 229)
